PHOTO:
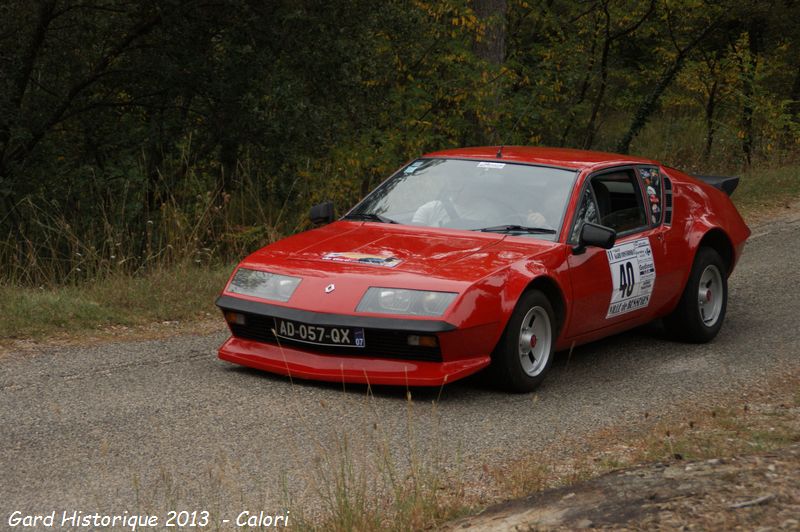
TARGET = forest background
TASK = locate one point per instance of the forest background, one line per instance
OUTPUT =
(164, 140)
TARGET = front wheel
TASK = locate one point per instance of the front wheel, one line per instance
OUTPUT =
(525, 351)
(701, 310)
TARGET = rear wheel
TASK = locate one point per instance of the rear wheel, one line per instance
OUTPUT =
(701, 310)
(525, 351)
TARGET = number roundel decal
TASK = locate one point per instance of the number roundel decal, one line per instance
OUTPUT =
(633, 274)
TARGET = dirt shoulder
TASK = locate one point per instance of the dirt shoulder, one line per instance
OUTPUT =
(758, 491)
(116, 333)
(732, 464)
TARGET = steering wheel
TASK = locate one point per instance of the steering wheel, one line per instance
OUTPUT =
(507, 212)
(450, 209)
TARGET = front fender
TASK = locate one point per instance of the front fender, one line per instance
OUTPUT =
(491, 300)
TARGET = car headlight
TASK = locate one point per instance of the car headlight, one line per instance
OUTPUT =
(263, 285)
(401, 301)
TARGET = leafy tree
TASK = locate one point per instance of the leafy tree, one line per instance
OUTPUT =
(173, 127)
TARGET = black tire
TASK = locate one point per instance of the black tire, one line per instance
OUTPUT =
(689, 321)
(507, 369)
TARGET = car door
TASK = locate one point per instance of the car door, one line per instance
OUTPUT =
(618, 285)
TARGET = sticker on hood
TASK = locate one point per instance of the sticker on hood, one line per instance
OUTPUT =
(633, 274)
(363, 258)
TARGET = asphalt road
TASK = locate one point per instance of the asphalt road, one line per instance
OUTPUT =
(155, 425)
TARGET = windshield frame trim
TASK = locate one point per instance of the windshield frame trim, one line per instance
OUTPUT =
(501, 160)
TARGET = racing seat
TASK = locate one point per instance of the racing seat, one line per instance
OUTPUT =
(603, 197)
(619, 219)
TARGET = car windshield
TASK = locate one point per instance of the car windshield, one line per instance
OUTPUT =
(491, 196)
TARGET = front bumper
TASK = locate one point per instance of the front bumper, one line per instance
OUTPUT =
(385, 359)
(303, 364)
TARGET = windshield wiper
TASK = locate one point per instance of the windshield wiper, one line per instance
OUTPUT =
(369, 216)
(517, 229)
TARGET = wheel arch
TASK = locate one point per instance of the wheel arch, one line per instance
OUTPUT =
(720, 242)
(550, 288)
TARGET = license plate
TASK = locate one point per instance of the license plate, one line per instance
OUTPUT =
(319, 334)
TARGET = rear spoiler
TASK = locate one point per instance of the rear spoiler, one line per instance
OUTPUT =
(725, 184)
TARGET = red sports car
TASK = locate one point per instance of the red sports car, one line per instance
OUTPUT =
(487, 257)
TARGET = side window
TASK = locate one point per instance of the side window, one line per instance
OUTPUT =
(587, 212)
(619, 201)
(651, 178)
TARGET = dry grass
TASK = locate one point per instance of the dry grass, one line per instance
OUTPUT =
(183, 293)
(761, 419)
(384, 487)
(727, 465)
(767, 189)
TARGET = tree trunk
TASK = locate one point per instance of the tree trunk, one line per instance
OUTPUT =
(747, 119)
(749, 75)
(228, 158)
(23, 76)
(582, 93)
(651, 102)
(710, 129)
(793, 108)
(492, 49)
(591, 127)
(794, 97)
(153, 159)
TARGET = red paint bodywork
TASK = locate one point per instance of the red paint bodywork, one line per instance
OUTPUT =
(489, 272)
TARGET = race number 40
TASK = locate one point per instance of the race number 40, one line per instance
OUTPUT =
(633, 274)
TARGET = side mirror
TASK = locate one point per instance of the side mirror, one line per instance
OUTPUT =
(322, 213)
(595, 235)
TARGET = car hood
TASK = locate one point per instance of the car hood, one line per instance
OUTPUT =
(384, 250)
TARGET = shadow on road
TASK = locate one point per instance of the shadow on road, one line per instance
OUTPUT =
(588, 357)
